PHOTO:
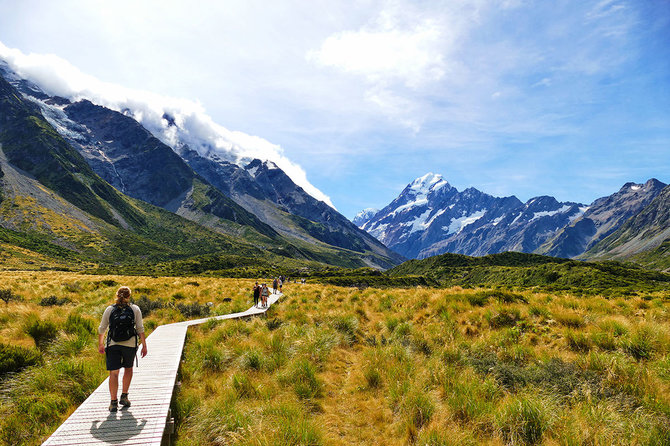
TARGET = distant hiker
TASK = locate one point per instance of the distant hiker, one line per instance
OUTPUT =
(257, 294)
(124, 321)
(274, 286)
(264, 295)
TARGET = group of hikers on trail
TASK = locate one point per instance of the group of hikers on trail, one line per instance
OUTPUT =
(125, 331)
(261, 292)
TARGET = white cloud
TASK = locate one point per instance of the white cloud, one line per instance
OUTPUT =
(194, 126)
(386, 53)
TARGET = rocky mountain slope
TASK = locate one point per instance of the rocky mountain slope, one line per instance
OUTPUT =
(603, 217)
(646, 234)
(205, 189)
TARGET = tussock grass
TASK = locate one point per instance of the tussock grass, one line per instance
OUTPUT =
(336, 366)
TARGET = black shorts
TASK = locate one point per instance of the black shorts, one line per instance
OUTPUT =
(120, 356)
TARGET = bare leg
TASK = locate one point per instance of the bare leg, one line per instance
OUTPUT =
(114, 383)
(127, 377)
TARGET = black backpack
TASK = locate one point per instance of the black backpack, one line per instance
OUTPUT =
(121, 324)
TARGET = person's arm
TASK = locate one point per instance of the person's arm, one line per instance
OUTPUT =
(104, 323)
(139, 326)
(143, 340)
(101, 345)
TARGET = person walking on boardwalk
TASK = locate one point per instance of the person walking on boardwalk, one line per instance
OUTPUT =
(257, 294)
(265, 292)
(281, 282)
(274, 286)
(124, 321)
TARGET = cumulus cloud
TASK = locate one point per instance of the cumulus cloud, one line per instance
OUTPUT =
(401, 53)
(386, 52)
(192, 125)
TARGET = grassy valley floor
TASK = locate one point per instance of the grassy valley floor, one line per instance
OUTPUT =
(332, 365)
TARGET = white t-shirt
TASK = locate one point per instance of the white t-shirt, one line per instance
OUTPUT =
(139, 325)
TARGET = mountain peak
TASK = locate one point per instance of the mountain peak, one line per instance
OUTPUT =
(364, 216)
(427, 183)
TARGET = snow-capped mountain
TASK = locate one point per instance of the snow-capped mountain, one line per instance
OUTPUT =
(431, 217)
(363, 216)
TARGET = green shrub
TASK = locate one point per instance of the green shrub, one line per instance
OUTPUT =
(6, 295)
(193, 310)
(14, 358)
(147, 305)
(76, 324)
(52, 301)
(42, 331)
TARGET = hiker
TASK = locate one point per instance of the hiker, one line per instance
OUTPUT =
(257, 294)
(124, 321)
(281, 282)
(274, 286)
(264, 295)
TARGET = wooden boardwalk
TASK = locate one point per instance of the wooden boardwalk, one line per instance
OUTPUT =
(146, 420)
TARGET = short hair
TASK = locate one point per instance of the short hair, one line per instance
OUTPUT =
(123, 295)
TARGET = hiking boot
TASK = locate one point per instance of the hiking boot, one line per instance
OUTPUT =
(114, 406)
(124, 400)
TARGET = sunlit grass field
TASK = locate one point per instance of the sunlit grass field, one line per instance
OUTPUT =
(335, 366)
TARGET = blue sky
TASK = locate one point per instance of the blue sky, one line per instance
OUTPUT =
(525, 98)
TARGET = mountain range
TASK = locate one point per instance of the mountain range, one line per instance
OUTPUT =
(431, 217)
(94, 172)
(86, 183)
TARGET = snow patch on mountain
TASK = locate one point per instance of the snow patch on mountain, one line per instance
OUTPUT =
(458, 224)
(419, 223)
(541, 214)
(580, 211)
